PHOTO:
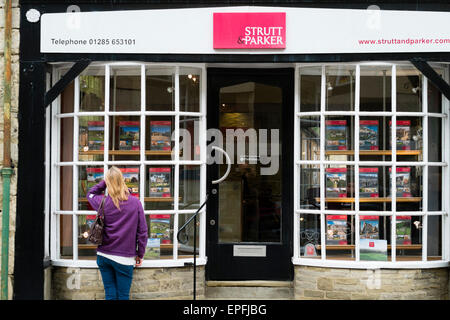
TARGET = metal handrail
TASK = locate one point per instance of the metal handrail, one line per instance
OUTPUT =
(190, 219)
(194, 217)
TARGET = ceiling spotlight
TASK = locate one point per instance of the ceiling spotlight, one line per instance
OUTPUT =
(190, 76)
(84, 85)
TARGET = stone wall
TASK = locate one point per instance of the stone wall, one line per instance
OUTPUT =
(148, 283)
(14, 126)
(379, 284)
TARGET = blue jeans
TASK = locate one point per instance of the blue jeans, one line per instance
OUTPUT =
(116, 278)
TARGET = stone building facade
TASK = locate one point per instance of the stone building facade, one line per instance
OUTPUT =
(148, 284)
(14, 125)
(370, 284)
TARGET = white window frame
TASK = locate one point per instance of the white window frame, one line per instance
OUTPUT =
(55, 165)
(322, 261)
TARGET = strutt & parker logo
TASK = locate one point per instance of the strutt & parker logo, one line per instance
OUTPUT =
(250, 30)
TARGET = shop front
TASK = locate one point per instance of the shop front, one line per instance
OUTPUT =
(295, 140)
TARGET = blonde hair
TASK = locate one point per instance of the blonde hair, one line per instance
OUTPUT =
(117, 189)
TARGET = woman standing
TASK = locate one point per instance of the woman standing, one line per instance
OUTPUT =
(125, 234)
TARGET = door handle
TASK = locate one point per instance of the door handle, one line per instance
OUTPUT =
(227, 157)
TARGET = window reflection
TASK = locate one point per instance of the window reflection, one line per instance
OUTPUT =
(340, 88)
(92, 90)
(409, 90)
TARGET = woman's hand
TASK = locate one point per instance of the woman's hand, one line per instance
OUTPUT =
(138, 262)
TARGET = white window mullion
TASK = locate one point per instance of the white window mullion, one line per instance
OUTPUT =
(106, 117)
(446, 174)
(322, 166)
(356, 169)
(55, 157)
(425, 168)
(76, 121)
(394, 165)
(176, 156)
(142, 138)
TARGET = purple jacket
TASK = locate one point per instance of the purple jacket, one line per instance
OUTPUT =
(125, 232)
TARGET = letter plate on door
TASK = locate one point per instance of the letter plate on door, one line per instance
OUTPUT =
(249, 251)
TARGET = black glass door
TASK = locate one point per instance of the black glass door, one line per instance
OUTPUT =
(249, 218)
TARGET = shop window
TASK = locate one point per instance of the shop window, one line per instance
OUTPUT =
(65, 224)
(159, 144)
(409, 235)
(310, 187)
(375, 88)
(340, 236)
(134, 129)
(340, 88)
(124, 137)
(409, 90)
(310, 236)
(125, 89)
(190, 89)
(92, 90)
(434, 237)
(375, 238)
(310, 89)
(353, 182)
(189, 187)
(310, 138)
(91, 138)
(160, 89)
(160, 231)
(186, 248)
(159, 188)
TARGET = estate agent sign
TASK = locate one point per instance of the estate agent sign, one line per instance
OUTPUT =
(245, 30)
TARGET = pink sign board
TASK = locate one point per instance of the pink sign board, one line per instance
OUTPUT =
(250, 30)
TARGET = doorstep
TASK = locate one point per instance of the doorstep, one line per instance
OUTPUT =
(249, 290)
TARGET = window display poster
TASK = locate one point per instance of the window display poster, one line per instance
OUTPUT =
(368, 135)
(403, 228)
(373, 250)
(153, 248)
(403, 135)
(369, 227)
(128, 135)
(336, 135)
(368, 182)
(160, 227)
(160, 182)
(402, 181)
(96, 134)
(160, 133)
(337, 229)
(93, 177)
(336, 182)
(131, 176)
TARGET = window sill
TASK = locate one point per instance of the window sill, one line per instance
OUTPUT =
(146, 263)
(318, 262)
